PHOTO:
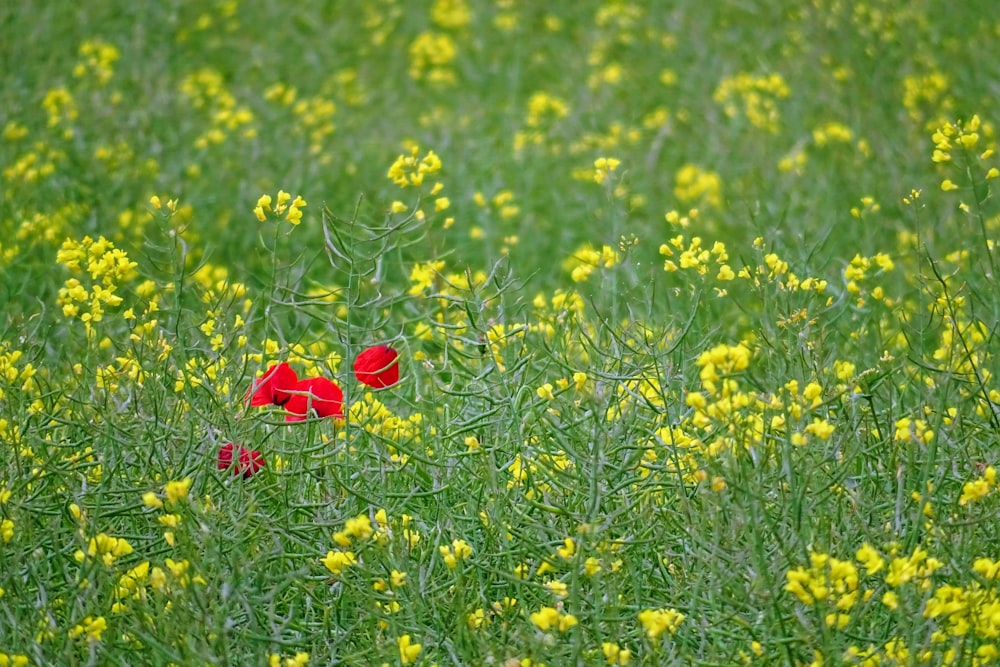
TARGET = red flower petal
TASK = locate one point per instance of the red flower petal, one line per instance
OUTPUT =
(226, 456)
(247, 462)
(320, 395)
(377, 367)
(272, 387)
(250, 462)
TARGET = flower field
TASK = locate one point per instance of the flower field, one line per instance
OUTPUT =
(492, 332)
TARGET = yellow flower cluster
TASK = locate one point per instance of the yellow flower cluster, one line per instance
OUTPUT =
(35, 165)
(694, 185)
(693, 256)
(615, 654)
(408, 650)
(283, 206)
(106, 265)
(550, 618)
(458, 550)
(544, 111)
(91, 629)
(451, 14)
(968, 140)
(61, 108)
(300, 659)
(603, 168)
(658, 621)
(206, 89)
(585, 259)
(97, 59)
(358, 528)
(410, 170)
(375, 418)
(337, 561)
(927, 93)
(13, 373)
(108, 548)
(832, 133)
(980, 487)
(753, 96)
(827, 579)
(432, 55)
(911, 430)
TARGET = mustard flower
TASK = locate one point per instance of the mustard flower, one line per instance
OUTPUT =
(658, 621)
(177, 490)
(408, 651)
(336, 561)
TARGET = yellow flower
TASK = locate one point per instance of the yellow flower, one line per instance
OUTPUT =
(545, 618)
(408, 651)
(869, 558)
(568, 548)
(92, 627)
(603, 166)
(177, 490)
(557, 588)
(459, 550)
(336, 561)
(545, 392)
(658, 621)
(615, 655)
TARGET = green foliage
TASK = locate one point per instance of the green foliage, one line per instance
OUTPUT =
(694, 309)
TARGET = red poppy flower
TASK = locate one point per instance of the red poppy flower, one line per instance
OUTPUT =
(377, 367)
(272, 387)
(319, 395)
(247, 462)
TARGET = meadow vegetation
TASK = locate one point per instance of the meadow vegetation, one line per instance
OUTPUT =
(467, 332)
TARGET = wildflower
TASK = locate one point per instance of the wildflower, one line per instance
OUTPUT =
(568, 548)
(377, 367)
(336, 561)
(247, 462)
(177, 490)
(359, 527)
(547, 618)
(557, 588)
(459, 550)
(272, 388)
(614, 654)
(408, 651)
(658, 621)
(870, 558)
(92, 627)
(603, 166)
(318, 396)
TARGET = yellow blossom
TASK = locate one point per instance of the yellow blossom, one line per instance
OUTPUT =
(177, 490)
(408, 651)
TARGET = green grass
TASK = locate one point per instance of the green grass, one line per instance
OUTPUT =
(696, 333)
